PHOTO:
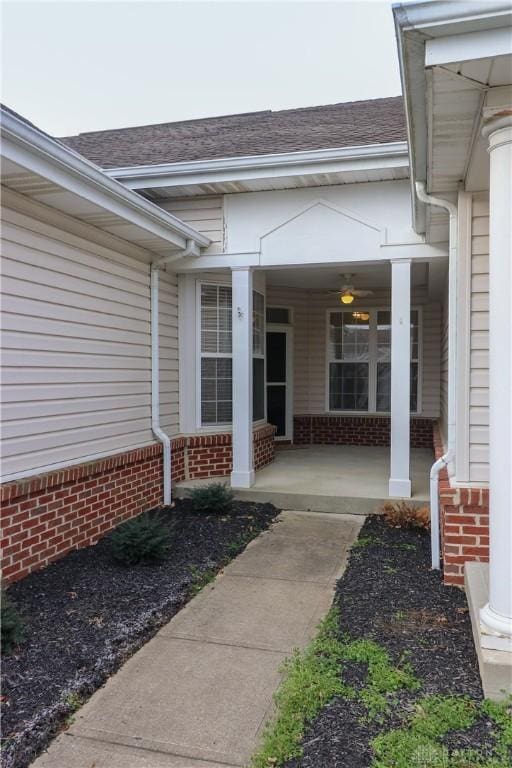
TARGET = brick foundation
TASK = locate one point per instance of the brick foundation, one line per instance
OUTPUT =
(464, 523)
(356, 430)
(212, 455)
(46, 516)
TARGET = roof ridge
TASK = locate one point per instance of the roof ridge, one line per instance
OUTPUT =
(235, 114)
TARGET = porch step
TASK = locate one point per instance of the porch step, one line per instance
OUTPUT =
(300, 502)
(495, 666)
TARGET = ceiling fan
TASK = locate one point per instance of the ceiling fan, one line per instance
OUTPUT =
(349, 292)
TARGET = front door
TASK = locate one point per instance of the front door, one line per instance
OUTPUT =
(279, 400)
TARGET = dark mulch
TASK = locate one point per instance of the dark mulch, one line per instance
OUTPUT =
(389, 594)
(85, 615)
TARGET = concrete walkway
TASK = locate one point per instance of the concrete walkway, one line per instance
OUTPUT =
(199, 693)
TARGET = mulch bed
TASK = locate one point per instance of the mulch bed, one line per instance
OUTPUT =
(389, 594)
(85, 615)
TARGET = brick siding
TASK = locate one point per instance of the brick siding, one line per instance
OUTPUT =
(212, 455)
(356, 430)
(464, 523)
(46, 516)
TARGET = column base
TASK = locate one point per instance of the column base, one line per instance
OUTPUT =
(400, 488)
(496, 630)
(242, 479)
(495, 665)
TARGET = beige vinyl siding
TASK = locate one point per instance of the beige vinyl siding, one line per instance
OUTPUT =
(479, 360)
(204, 214)
(309, 334)
(76, 350)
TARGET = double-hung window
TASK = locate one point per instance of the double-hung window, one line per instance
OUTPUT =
(216, 355)
(349, 361)
(359, 360)
(217, 359)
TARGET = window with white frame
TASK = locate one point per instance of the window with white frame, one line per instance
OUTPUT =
(216, 355)
(258, 359)
(359, 360)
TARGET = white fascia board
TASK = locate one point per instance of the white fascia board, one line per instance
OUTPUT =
(444, 13)
(469, 47)
(32, 149)
(373, 156)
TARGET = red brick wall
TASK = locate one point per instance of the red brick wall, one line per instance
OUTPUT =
(44, 517)
(464, 523)
(356, 430)
(212, 455)
(264, 446)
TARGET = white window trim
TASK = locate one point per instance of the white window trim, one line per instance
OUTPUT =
(286, 328)
(262, 356)
(211, 428)
(372, 362)
(225, 426)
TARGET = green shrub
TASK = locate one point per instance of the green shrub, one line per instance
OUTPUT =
(214, 499)
(143, 539)
(12, 625)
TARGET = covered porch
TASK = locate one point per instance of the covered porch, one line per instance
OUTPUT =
(328, 478)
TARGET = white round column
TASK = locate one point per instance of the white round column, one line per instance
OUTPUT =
(496, 616)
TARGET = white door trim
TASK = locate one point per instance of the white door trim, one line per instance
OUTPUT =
(288, 330)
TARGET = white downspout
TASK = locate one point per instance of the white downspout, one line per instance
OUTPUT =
(449, 457)
(156, 266)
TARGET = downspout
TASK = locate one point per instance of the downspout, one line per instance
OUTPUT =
(448, 458)
(163, 437)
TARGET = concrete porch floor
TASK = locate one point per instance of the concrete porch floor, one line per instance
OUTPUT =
(329, 478)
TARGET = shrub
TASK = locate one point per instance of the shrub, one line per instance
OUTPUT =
(213, 499)
(143, 539)
(402, 515)
(12, 625)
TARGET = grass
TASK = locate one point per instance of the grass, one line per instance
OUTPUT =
(312, 678)
(420, 743)
(200, 579)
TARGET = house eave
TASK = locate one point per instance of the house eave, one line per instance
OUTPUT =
(425, 32)
(255, 167)
(38, 153)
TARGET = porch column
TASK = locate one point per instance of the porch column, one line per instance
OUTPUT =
(399, 480)
(496, 616)
(242, 475)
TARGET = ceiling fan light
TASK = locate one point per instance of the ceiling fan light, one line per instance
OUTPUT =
(346, 298)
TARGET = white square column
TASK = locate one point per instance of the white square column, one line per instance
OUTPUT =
(399, 480)
(242, 475)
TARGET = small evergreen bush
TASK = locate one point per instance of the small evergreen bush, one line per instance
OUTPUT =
(143, 539)
(214, 499)
(12, 625)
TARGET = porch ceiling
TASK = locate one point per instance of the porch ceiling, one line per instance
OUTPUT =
(376, 277)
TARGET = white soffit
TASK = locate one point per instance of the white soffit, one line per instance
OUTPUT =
(40, 168)
(346, 165)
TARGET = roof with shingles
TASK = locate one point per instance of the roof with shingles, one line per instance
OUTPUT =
(356, 123)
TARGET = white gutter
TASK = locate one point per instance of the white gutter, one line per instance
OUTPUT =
(448, 458)
(391, 154)
(156, 266)
(34, 150)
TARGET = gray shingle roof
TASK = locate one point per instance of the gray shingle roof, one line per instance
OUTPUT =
(356, 123)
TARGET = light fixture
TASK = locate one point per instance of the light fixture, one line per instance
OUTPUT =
(364, 316)
(346, 298)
